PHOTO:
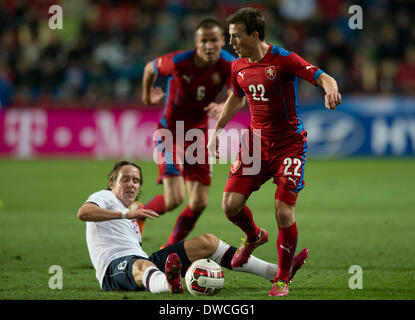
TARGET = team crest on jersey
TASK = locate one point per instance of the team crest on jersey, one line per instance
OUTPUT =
(270, 72)
(216, 78)
(235, 166)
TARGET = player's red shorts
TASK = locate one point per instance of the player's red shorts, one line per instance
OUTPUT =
(178, 157)
(285, 163)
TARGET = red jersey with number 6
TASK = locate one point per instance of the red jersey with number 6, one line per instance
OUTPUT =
(270, 86)
(190, 88)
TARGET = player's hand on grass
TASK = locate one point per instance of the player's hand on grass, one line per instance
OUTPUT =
(142, 213)
(214, 109)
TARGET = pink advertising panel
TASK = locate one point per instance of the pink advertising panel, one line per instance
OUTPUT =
(97, 133)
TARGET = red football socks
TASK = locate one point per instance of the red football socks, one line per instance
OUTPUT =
(184, 224)
(286, 245)
(245, 221)
(156, 204)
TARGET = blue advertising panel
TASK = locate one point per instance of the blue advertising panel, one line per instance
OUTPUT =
(377, 126)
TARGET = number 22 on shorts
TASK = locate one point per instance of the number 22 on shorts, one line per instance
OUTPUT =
(289, 164)
(296, 163)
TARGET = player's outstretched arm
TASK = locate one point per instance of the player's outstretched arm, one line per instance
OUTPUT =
(91, 212)
(150, 94)
(232, 105)
(333, 97)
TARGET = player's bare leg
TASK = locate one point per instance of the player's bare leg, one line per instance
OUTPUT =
(173, 196)
(202, 246)
(238, 213)
(174, 192)
(139, 266)
(284, 213)
(198, 197)
(232, 203)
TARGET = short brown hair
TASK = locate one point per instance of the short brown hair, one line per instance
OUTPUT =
(209, 23)
(251, 18)
(112, 176)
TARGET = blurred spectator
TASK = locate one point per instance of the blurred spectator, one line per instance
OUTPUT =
(297, 9)
(6, 88)
(405, 76)
(387, 74)
(98, 58)
(362, 74)
(388, 43)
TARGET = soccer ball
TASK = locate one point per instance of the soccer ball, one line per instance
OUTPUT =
(204, 277)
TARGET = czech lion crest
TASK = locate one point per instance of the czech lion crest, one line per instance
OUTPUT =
(235, 166)
(270, 72)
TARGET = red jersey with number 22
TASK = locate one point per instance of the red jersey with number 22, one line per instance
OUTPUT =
(270, 86)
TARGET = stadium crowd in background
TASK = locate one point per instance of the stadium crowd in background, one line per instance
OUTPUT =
(98, 58)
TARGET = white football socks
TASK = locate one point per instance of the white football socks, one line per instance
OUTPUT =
(155, 281)
(254, 265)
(220, 251)
(259, 267)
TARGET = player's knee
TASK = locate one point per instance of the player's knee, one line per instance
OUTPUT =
(232, 203)
(198, 205)
(138, 269)
(209, 243)
(174, 201)
(284, 214)
(231, 208)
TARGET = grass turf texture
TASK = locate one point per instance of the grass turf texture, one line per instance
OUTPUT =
(352, 212)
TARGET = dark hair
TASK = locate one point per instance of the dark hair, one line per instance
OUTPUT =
(112, 176)
(209, 23)
(251, 18)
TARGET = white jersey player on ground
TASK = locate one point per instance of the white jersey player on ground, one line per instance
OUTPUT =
(114, 242)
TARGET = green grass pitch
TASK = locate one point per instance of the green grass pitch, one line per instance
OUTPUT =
(358, 211)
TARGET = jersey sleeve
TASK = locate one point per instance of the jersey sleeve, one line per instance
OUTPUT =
(101, 199)
(164, 65)
(294, 64)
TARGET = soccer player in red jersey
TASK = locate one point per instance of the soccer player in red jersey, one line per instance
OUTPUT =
(195, 78)
(268, 76)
